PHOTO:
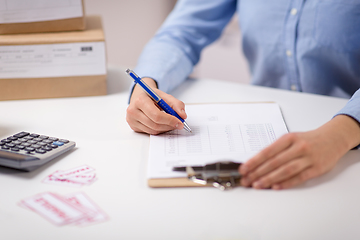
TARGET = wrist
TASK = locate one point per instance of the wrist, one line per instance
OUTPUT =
(137, 90)
(149, 81)
(346, 131)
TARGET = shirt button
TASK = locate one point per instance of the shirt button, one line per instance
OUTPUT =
(293, 87)
(293, 11)
(288, 53)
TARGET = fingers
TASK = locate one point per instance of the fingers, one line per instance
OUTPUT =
(158, 118)
(280, 165)
(280, 145)
(295, 158)
(142, 124)
(141, 128)
(175, 104)
(273, 163)
(143, 115)
(285, 172)
(296, 180)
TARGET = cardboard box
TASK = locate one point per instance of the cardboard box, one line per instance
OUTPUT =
(36, 16)
(52, 65)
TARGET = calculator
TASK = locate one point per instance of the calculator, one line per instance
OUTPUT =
(28, 151)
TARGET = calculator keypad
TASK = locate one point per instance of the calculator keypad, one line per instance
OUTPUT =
(27, 143)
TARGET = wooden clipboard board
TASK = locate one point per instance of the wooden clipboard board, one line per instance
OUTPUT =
(173, 182)
(185, 182)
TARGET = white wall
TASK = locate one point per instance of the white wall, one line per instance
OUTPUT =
(129, 24)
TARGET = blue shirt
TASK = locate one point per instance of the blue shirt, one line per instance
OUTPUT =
(308, 46)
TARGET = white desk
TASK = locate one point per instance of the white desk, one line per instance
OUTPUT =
(324, 208)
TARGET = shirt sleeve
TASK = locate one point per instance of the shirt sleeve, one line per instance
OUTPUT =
(352, 108)
(171, 54)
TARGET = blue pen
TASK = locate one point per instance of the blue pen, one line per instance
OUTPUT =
(164, 106)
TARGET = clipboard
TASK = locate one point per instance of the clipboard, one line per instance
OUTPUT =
(185, 181)
(173, 182)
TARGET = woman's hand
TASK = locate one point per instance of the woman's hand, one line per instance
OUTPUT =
(297, 157)
(143, 115)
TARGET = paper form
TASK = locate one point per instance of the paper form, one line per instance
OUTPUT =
(234, 132)
(21, 11)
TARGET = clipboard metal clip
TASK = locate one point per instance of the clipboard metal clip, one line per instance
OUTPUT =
(222, 175)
